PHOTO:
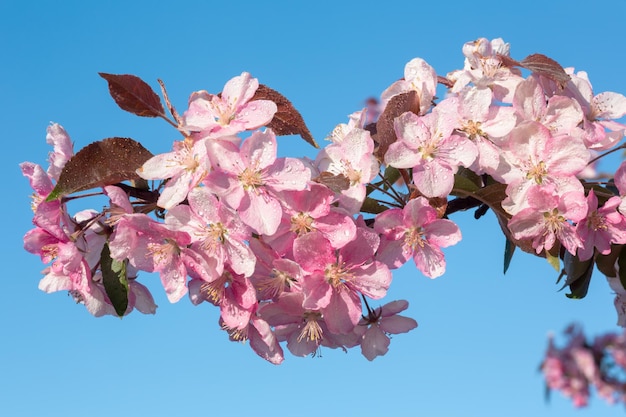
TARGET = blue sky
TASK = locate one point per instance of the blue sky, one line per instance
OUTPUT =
(481, 335)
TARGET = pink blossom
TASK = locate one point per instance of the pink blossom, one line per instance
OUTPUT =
(233, 293)
(547, 219)
(63, 149)
(152, 247)
(249, 180)
(428, 146)
(312, 210)
(601, 228)
(483, 123)
(484, 68)
(184, 168)
(353, 158)
(560, 114)
(231, 112)
(381, 322)
(218, 236)
(415, 231)
(336, 277)
(419, 76)
(537, 160)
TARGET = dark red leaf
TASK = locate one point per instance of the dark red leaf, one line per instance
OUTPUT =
(336, 182)
(287, 120)
(132, 94)
(101, 163)
(548, 67)
(385, 133)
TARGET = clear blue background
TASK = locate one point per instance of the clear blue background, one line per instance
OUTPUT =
(481, 334)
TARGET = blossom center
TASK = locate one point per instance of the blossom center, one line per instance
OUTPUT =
(336, 275)
(311, 331)
(415, 238)
(537, 172)
(301, 224)
(250, 179)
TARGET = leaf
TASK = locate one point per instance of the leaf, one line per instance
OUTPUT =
(548, 67)
(336, 182)
(385, 132)
(287, 120)
(509, 250)
(578, 275)
(132, 94)
(114, 280)
(101, 163)
(371, 206)
(606, 263)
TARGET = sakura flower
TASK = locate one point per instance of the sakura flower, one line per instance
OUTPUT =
(231, 112)
(249, 179)
(415, 231)
(428, 146)
(601, 228)
(378, 324)
(547, 219)
(184, 168)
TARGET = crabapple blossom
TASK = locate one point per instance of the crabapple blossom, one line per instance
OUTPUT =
(335, 277)
(419, 76)
(184, 168)
(352, 157)
(378, 324)
(601, 228)
(217, 234)
(249, 179)
(537, 159)
(231, 112)
(428, 146)
(415, 232)
(548, 218)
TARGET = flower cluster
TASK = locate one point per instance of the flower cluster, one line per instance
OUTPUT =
(580, 366)
(291, 249)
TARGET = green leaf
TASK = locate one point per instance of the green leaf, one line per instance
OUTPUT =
(509, 249)
(114, 280)
(106, 162)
